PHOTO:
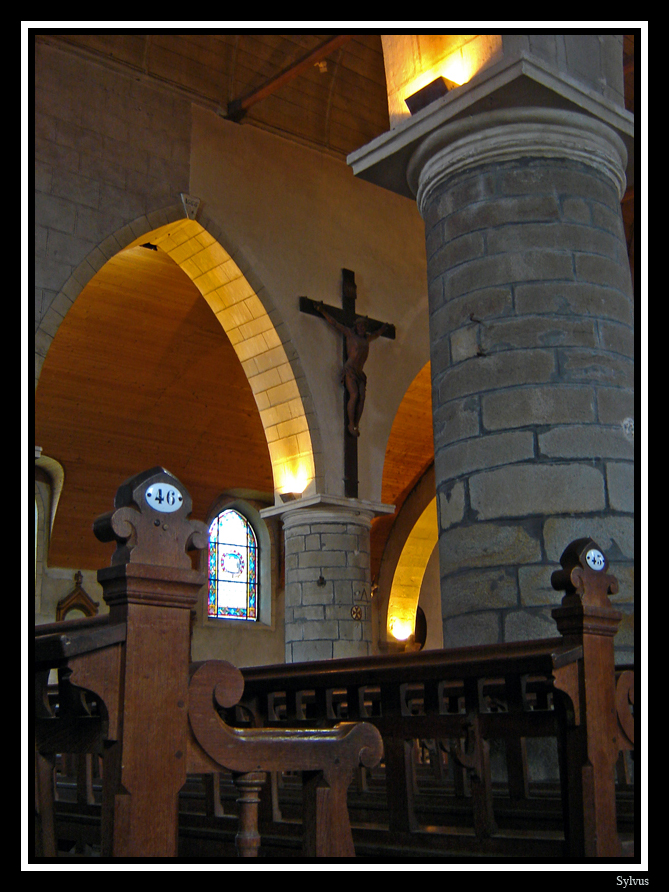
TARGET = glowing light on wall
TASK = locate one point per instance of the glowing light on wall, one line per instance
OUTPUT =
(400, 628)
(294, 479)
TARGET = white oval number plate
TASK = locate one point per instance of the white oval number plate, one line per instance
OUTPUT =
(164, 497)
(595, 559)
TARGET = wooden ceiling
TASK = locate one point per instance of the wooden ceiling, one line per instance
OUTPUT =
(142, 374)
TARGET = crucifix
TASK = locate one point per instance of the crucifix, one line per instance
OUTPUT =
(358, 331)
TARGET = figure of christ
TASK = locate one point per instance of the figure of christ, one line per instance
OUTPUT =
(357, 340)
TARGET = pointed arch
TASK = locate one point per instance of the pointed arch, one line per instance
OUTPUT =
(409, 483)
(409, 573)
(260, 342)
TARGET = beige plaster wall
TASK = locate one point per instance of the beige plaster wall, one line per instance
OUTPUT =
(299, 217)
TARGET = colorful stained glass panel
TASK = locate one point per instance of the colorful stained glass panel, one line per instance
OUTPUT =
(233, 559)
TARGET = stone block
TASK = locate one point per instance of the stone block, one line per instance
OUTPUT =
(359, 559)
(559, 180)
(603, 271)
(55, 156)
(293, 632)
(485, 373)
(527, 625)
(293, 594)
(609, 218)
(617, 338)
(313, 594)
(486, 451)
(339, 611)
(456, 420)
(344, 649)
(464, 343)
(585, 441)
(506, 269)
(295, 544)
(451, 505)
(614, 535)
(479, 590)
(576, 209)
(351, 630)
(67, 249)
(535, 586)
(501, 211)
(486, 545)
(471, 189)
(308, 651)
(595, 367)
(475, 628)
(523, 490)
(458, 250)
(486, 304)
(339, 542)
(580, 298)
(620, 483)
(309, 614)
(54, 213)
(550, 404)
(542, 331)
(328, 629)
(318, 559)
(558, 236)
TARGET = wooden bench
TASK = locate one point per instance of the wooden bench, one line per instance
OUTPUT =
(127, 692)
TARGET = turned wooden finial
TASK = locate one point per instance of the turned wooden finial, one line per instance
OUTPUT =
(584, 577)
(151, 522)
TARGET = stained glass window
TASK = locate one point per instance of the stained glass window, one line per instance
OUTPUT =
(233, 568)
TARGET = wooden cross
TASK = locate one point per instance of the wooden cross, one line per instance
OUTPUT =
(348, 316)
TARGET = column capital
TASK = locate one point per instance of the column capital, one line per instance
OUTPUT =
(324, 508)
(518, 88)
(509, 135)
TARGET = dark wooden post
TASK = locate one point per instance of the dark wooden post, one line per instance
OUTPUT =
(586, 617)
(152, 587)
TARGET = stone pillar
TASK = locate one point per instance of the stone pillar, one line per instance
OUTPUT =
(531, 329)
(328, 608)
(531, 335)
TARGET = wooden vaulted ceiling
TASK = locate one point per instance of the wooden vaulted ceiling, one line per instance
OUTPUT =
(142, 374)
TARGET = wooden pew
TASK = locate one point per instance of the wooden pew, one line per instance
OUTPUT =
(127, 692)
(564, 688)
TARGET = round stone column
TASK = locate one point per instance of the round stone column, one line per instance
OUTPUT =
(531, 330)
(328, 608)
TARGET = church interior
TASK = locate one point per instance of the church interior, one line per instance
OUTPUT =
(197, 194)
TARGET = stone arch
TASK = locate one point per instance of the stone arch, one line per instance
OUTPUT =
(239, 302)
(410, 546)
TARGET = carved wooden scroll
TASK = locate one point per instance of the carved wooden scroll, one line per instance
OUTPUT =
(327, 757)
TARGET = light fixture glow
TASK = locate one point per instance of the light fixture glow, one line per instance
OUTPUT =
(399, 628)
(294, 482)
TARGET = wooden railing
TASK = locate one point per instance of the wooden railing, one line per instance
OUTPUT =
(127, 692)
(565, 688)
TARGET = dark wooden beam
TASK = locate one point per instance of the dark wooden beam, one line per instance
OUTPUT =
(238, 107)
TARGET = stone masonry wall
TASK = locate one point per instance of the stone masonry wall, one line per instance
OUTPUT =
(108, 150)
(327, 581)
(532, 366)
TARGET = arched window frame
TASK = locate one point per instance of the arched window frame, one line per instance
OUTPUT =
(250, 511)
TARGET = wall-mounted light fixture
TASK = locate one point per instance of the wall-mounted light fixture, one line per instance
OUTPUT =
(433, 91)
(290, 496)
